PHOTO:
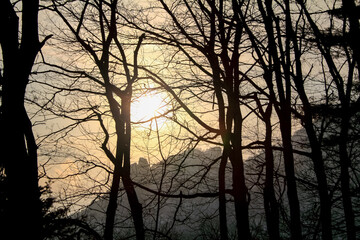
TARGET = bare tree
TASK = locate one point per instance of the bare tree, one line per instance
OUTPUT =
(307, 118)
(271, 204)
(209, 37)
(328, 42)
(278, 68)
(226, 65)
(18, 146)
(107, 52)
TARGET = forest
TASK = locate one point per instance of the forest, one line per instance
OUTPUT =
(179, 119)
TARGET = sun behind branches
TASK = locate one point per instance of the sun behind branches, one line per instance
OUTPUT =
(148, 106)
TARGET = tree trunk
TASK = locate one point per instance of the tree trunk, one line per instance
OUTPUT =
(325, 203)
(240, 196)
(23, 203)
(270, 202)
(135, 206)
(222, 198)
(112, 205)
(295, 223)
(345, 177)
(316, 155)
(18, 147)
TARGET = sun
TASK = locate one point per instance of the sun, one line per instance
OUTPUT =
(147, 106)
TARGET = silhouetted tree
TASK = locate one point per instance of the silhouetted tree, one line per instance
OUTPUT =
(210, 38)
(341, 36)
(226, 65)
(118, 97)
(293, 48)
(271, 204)
(19, 47)
(276, 65)
(57, 225)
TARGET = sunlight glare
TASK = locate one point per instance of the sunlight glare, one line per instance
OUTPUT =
(146, 107)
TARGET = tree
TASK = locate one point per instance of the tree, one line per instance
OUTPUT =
(271, 204)
(291, 60)
(341, 36)
(207, 36)
(226, 65)
(18, 146)
(56, 224)
(276, 66)
(307, 119)
(105, 58)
